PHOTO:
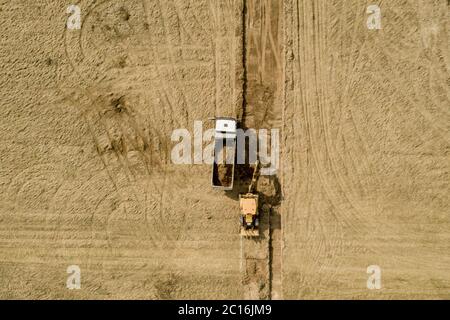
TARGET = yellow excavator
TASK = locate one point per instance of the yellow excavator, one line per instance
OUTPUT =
(249, 216)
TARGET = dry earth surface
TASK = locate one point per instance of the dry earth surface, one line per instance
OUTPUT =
(366, 174)
(86, 176)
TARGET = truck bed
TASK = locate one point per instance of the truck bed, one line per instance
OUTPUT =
(223, 166)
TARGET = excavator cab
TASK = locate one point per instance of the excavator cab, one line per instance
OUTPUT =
(249, 215)
(248, 204)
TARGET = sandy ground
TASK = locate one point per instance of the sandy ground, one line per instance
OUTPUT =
(86, 177)
(367, 150)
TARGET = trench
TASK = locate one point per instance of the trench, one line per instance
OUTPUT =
(261, 109)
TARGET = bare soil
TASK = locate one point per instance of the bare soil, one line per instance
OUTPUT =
(86, 177)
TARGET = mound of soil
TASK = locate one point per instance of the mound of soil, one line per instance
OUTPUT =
(224, 174)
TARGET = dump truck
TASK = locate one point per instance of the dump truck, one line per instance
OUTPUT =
(224, 153)
(249, 206)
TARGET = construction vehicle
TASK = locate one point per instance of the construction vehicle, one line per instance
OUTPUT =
(249, 203)
(224, 153)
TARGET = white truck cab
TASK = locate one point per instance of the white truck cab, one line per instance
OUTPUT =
(225, 128)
